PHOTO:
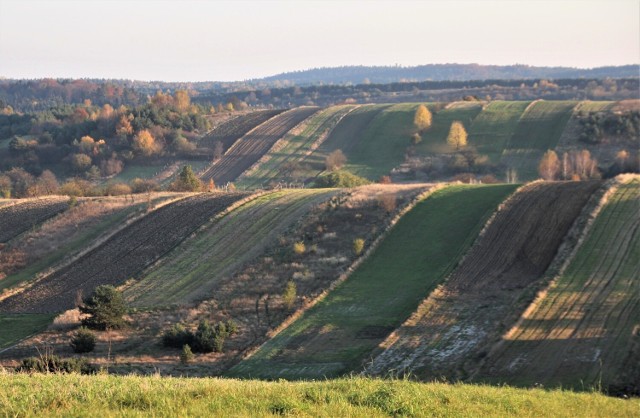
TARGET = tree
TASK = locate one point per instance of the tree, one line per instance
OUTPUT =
(457, 137)
(549, 166)
(47, 183)
(186, 356)
(123, 127)
(422, 118)
(335, 160)
(145, 143)
(104, 309)
(181, 100)
(80, 162)
(83, 341)
(289, 294)
(187, 181)
(211, 186)
(218, 150)
(358, 246)
(5, 186)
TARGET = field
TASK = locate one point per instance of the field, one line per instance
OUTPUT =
(434, 140)
(230, 131)
(73, 395)
(336, 335)
(17, 327)
(121, 256)
(194, 270)
(581, 332)
(24, 215)
(538, 130)
(490, 289)
(245, 152)
(491, 129)
(283, 161)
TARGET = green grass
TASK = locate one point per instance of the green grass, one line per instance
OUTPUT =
(492, 128)
(196, 267)
(109, 396)
(334, 336)
(541, 126)
(77, 244)
(582, 331)
(132, 171)
(294, 148)
(434, 140)
(589, 106)
(17, 327)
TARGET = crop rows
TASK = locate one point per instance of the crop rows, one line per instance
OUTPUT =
(582, 331)
(482, 295)
(120, 257)
(340, 332)
(20, 217)
(284, 162)
(230, 131)
(194, 270)
(251, 147)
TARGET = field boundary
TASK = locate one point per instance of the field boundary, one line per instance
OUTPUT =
(349, 271)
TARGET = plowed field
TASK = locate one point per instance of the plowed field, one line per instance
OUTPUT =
(251, 147)
(122, 256)
(581, 333)
(22, 216)
(482, 296)
(230, 131)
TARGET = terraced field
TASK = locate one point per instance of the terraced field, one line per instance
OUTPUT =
(19, 326)
(24, 215)
(581, 332)
(490, 289)
(120, 257)
(193, 271)
(283, 161)
(491, 129)
(434, 140)
(251, 147)
(337, 334)
(230, 131)
(538, 130)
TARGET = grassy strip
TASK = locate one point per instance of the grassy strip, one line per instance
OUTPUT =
(337, 334)
(582, 331)
(17, 327)
(434, 140)
(107, 396)
(196, 267)
(541, 125)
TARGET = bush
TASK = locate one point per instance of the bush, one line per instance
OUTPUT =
(55, 364)
(289, 294)
(186, 356)
(340, 179)
(117, 189)
(105, 309)
(335, 161)
(84, 341)
(358, 246)
(177, 337)
(139, 185)
(299, 247)
(207, 338)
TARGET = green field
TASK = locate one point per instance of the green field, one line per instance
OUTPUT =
(110, 396)
(293, 148)
(538, 130)
(338, 333)
(132, 171)
(492, 128)
(585, 324)
(17, 327)
(434, 140)
(193, 269)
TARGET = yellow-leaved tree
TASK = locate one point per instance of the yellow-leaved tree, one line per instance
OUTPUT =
(145, 143)
(457, 137)
(549, 166)
(422, 118)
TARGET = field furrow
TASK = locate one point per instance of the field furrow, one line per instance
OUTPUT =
(193, 271)
(339, 333)
(24, 215)
(230, 131)
(491, 288)
(581, 333)
(120, 257)
(247, 150)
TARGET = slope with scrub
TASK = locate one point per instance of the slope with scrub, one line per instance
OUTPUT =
(337, 334)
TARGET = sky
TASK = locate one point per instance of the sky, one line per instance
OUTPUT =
(237, 40)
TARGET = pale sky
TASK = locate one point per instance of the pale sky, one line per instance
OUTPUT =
(236, 40)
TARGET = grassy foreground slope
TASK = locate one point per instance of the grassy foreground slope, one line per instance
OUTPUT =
(582, 331)
(338, 333)
(75, 395)
(194, 269)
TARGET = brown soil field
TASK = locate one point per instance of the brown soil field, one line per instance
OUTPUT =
(230, 131)
(251, 147)
(23, 215)
(120, 257)
(486, 294)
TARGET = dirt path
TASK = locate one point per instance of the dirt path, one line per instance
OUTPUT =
(490, 289)
(122, 256)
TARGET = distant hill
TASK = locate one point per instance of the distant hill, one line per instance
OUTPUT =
(440, 72)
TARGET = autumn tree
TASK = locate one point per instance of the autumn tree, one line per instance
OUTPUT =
(47, 183)
(289, 294)
(457, 137)
(549, 166)
(422, 118)
(211, 186)
(123, 127)
(218, 150)
(80, 162)
(335, 160)
(5, 186)
(181, 100)
(145, 143)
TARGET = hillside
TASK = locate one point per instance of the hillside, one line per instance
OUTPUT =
(23, 215)
(338, 334)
